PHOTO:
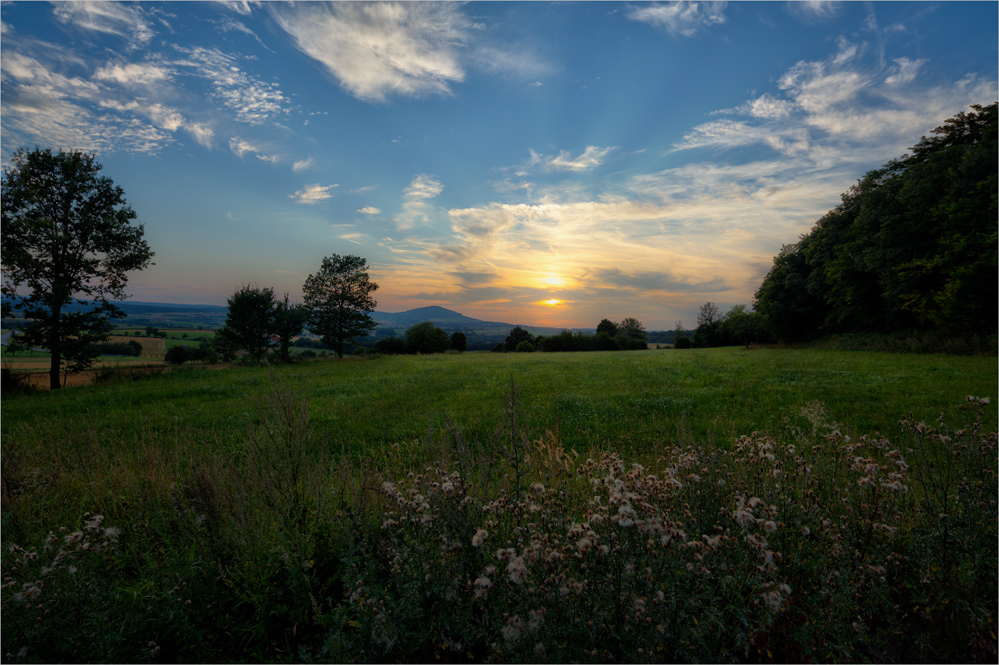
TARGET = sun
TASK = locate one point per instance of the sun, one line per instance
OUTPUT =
(552, 302)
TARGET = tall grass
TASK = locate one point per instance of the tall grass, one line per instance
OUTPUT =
(801, 543)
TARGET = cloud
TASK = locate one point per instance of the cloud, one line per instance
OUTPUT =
(313, 194)
(656, 280)
(379, 49)
(415, 207)
(591, 158)
(517, 61)
(680, 18)
(241, 148)
(134, 74)
(370, 210)
(303, 164)
(251, 100)
(812, 11)
(113, 18)
(423, 187)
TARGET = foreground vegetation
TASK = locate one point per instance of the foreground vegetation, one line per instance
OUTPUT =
(653, 506)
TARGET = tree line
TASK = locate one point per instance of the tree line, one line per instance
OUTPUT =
(912, 246)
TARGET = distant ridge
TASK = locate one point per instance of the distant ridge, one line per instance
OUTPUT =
(439, 316)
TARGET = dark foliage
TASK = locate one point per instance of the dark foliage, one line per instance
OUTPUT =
(911, 247)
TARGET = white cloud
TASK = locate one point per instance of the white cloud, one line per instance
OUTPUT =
(134, 74)
(251, 100)
(591, 158)
(519, 61)
(681, 17)
(241, 148)
(378, 49)
(415, 207)
(905, 70)
(423, 187)
(814, 10)
(303, 164)
(313, 194)
(370, 210)
(114, 18)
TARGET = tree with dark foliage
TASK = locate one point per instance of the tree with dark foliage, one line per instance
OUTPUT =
(338, 299)
(68, 234)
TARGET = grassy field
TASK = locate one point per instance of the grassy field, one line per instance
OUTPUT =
(624, 400)
(478, 507)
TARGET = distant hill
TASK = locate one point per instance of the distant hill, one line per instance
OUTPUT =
(179, 314)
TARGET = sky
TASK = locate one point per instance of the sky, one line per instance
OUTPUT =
(549, 164)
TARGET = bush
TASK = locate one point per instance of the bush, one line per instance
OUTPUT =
(683, 343)
(499, 348)
(178, 355)
(390, 346)
(426, 338)
(602, 341)
(14, 382)
(459, 341)
(525, 347)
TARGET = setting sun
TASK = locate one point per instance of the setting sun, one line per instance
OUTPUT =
(552, 302)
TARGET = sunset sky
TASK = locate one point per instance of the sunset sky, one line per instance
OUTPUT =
(538, 163)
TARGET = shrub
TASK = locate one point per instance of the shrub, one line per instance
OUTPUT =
(14, 382)
(525, 347)
(390, 346)
(179, 355)
(499, 348)
(683, 343)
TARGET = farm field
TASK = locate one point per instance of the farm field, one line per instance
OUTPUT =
(418, 508)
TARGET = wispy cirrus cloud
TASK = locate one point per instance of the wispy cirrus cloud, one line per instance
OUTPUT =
(379, 49)
(313, 194)
(416, 209)
(128, 21)
(680, 18)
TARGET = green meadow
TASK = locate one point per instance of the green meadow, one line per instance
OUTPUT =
(708, 504)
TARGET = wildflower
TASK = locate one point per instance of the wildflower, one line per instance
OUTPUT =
(773, 600)
(921, 427)
(539, 649)
(517, 571)
(388, 523)
(604, 549)
(770, 526)
(785, 589)
(447, 486)
(805, 531)
(584, 545)
(482, 586)
(537, 488)
(712, 541)
(866, 481)
(479, 537)
(755, 501)
(512, 630)
(537, 616)
(72, 570)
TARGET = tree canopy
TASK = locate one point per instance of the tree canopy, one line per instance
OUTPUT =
(912, 246)
(67, 234)
(250, 321)
(338, 298)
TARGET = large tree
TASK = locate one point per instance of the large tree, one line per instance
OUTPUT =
(338, 299)
(249, 323)
(289, 320)
(68, 234)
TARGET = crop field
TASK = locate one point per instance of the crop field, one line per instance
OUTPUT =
(661, 505)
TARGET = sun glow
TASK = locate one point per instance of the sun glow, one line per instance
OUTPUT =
(552, 302)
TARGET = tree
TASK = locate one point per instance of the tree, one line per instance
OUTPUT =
(516, 336)
(250, 321)
(459, 342)
(67, 234)
(289, 321)
(607, 326)
(338, 299)
(426, 338)
(708, 325)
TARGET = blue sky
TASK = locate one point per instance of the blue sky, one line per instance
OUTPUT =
(539, 163)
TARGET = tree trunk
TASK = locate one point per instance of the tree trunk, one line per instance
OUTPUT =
(54, 349)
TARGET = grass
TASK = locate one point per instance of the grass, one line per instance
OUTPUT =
(626, 400)
(488, 507)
